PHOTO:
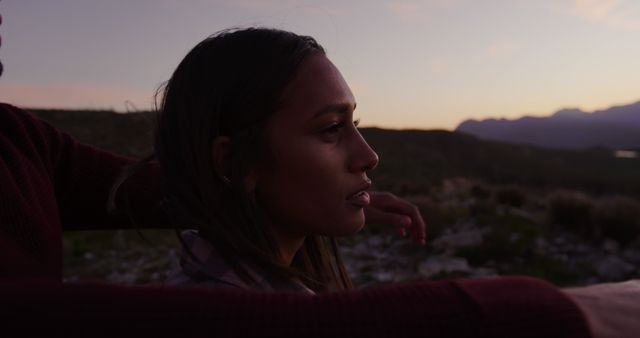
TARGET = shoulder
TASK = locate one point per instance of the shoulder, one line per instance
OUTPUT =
(201, 264)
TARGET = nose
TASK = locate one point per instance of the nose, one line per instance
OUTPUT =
(362, 157)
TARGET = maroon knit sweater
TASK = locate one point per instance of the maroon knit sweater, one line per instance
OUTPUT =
(50, 183)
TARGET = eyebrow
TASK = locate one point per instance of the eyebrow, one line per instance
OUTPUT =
(334, 108)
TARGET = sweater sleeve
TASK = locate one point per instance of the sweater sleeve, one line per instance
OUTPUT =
(85, 176)
(513, 307)
(53, 168)
(49, 183)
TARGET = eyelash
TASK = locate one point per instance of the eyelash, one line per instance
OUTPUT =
(334, 128)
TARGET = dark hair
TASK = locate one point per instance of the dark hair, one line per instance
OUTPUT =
(230, 84)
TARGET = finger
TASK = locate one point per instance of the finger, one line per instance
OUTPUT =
(391, 203)
(401, 222)
(418, 227)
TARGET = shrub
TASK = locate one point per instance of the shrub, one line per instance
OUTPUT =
(618, 218)
(482, 207)
(512, 196)
(436, 218)
(509, 237)
(572, 210)
(547, 268)
(480, 191)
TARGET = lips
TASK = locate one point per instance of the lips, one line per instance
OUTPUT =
(360, 197)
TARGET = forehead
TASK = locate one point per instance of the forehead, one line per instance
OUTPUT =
(316, 85)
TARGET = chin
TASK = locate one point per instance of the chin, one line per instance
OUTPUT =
(341, 224)
(357, 229)
(351, 228)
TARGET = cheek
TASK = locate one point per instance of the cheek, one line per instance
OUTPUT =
(306, 194)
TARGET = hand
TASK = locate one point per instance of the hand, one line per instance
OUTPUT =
(387, 208)
(612, 310)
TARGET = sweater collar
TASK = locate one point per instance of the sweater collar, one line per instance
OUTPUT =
(200, 260)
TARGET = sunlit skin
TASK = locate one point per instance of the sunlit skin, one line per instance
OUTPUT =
(318, 159)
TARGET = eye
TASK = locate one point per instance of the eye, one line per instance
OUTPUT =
(334, 128)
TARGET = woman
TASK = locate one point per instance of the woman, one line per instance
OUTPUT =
(259, 152)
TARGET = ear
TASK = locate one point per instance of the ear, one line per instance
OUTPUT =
(250, 182)
(220, 155)
(220, 159)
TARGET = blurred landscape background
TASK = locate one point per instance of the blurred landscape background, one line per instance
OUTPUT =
(462, 102)
(555, 197)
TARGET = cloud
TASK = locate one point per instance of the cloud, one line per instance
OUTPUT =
(74, 96)
(624, 14)
(411, 7)
(259, 4)
(501, 48)
(594, 9)
(445, 3)
(439, 66)
(403, 7)
(300, 6)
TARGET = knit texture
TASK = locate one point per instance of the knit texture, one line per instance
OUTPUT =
(523, 307)
(50, 183)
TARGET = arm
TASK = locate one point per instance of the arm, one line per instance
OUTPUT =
(64, 183)
(85, 177)
(510, 307)
(50, 183)
(612, 310)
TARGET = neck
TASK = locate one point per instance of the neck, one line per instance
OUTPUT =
(288, 244)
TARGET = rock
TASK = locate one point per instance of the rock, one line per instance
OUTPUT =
(439, 264)
(482, 272)
(456, 187)
(383, 276)
(374, 241)
(467, 236)
(559, 241)
(541, 246)
(561, 257)
(522, 213)
(613, 268)
(126, 278)
(632, 255)
(514, 237)
(610, 246)
(582, 249)
(591, 281)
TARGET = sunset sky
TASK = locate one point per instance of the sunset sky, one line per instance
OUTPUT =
(411, 64)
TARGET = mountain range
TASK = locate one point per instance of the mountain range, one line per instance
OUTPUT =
(615, 128)
(411, 160)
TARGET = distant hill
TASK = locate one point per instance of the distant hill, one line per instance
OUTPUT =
(127, 134)
(614, 128)
(414, 159)
(411, 160)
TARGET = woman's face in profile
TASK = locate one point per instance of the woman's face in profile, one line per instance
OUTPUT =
(318, 157)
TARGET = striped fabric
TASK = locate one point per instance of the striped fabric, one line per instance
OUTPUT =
(202, 265)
